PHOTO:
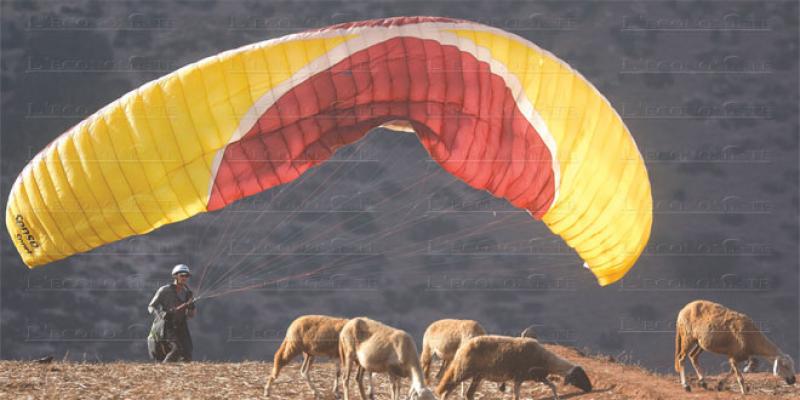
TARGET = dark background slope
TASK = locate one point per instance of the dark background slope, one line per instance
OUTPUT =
(708, 89)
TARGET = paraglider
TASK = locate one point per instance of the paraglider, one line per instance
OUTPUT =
(488, 106)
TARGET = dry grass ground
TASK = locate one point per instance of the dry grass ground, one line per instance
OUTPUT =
(245, 380)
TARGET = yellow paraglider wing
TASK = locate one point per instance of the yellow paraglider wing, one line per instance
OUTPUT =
(490, 107)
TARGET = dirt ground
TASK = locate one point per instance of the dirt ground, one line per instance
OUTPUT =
(123, 380)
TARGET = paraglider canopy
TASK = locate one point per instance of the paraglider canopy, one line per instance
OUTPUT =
(486, 104)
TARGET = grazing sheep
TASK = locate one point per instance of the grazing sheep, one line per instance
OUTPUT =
(501, 358)
(376, 347)
(529, 332)
(311, 335)
(442, 339)
(703, 325)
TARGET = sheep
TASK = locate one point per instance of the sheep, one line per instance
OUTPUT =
(529, 332)
(442, 339)
(502, 358)
(311, 335)
(376, 347)
(704, 325)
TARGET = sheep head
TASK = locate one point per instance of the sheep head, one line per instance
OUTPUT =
(577, 377)
(784, 367)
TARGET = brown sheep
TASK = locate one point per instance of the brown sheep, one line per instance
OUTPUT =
(375, 347)
(311, 335)
(502, 358)
(703, 325)
(442, 339)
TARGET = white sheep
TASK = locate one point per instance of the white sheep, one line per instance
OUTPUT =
(311, 335)
(502, 358)
(703, 325)
(375, 347)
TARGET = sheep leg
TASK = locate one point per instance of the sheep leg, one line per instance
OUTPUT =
(399, 387)
(360, 380)
(473, 387)
(336, 380)
(752, 365)
(304, 365)
(270, 379)
(552, 387)
(680, 357)
(445, 364)
(394, 380)
(693, 355)
(442, 369)
(721, 383)
(276, 369)
(682, 371)
(346, 383)
(304, 372)
(285, 354)
(739, 377)
(445, 393)
(371, 386)
(450, 379)
(517, 389)
(425, 359)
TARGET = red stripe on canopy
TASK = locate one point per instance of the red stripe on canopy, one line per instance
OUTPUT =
(464, 115)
